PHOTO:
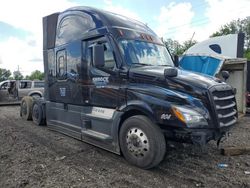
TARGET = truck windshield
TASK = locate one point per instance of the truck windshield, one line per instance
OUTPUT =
(145, 53)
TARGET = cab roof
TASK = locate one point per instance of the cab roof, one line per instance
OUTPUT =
(104, 18)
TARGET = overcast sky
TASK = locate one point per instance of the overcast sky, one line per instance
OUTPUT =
(21, 22)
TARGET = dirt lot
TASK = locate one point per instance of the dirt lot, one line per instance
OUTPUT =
(33, 156)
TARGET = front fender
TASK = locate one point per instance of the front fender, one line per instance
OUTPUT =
(153, 107)
(140, 106)
(159, 109)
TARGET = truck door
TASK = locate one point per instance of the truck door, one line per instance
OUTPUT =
(104, 81)
(4, 95)
(101, 86)
(8, 91)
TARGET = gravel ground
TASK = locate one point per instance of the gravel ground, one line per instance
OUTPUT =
(33, 156)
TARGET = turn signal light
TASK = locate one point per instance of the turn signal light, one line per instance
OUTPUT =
(179, 115)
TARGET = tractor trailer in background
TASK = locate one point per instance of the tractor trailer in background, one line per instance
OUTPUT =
(111, 82)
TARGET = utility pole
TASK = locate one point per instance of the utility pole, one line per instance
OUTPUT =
(191, 38)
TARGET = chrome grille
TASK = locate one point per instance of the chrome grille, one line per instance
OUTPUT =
(225, 105)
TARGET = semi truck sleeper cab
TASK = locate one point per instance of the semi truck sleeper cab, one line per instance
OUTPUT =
(111, 82)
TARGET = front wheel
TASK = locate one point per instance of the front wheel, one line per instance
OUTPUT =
(142, 143)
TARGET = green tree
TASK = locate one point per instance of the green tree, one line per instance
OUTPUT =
(236, 26)
(4, 74)
(36, 75)
(187, 44)
(175, 48)
(17, 75)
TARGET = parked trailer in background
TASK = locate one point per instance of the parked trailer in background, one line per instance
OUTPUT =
(111, 82)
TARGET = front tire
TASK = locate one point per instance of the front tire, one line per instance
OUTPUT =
(142, 143)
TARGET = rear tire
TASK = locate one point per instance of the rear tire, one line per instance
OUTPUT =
(37, 114)
(142, 143)
(26, 108)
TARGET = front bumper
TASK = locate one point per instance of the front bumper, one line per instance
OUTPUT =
(195, 136)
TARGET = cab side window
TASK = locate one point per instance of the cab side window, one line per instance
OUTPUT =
(108, 57)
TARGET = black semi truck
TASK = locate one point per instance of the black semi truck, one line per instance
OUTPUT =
(111, 82)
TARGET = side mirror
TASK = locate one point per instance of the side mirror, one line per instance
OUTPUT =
(98, 55)
(170, 72)
(176, 60)
(225, 75)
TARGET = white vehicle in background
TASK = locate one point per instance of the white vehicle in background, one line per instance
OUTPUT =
(15, 90)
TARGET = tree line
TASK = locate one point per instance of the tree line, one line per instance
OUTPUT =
(17, 75)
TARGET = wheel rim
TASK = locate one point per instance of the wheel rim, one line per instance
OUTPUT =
(137, 142)
(35, 112)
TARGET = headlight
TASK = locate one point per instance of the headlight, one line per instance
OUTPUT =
(191, 118)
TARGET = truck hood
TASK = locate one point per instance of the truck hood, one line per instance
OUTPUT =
(185, 81)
